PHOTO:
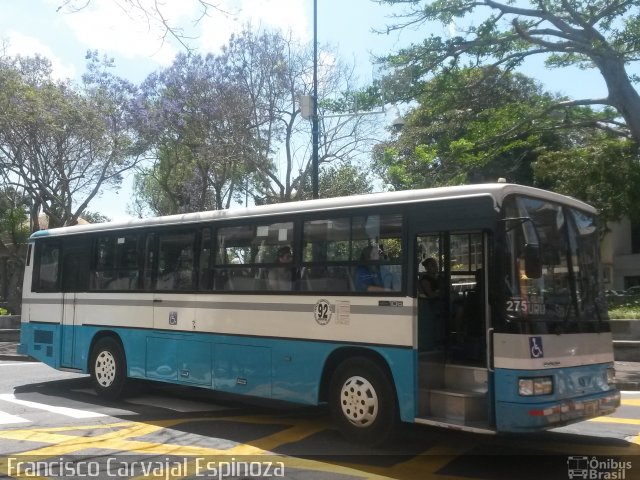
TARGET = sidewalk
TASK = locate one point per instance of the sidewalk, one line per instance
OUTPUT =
(9, 351)
(627, 373)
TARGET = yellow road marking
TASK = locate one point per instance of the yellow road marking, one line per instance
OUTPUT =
(632, 402)
(123, 437)
(629, 421)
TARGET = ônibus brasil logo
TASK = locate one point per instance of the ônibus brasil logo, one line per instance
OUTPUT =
(593, 468)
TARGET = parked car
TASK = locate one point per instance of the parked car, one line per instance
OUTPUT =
(635, 290)
(615, 293)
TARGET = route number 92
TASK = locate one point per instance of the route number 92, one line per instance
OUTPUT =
(322, 311)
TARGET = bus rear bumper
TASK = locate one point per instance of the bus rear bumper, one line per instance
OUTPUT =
(530, 417)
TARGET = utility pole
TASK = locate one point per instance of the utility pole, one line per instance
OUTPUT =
(314, 115)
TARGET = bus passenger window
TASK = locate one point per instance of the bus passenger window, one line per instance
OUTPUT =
(247, 255)
(281, 278)
(333, 259)
(48, 268)
(115, 264)
(175, 261)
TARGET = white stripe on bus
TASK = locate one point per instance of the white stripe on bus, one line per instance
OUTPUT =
(66, 411)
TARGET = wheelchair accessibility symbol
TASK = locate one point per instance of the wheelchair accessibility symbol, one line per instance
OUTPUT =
(535, 347)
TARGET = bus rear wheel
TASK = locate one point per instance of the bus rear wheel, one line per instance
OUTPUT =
(108, 368)
(363, 401)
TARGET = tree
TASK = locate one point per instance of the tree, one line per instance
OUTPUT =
(95, 217)
(228, 127)
(480, 124)
(468, 127)
(60, 144)
(275, 71)
(341, 181)
(600, 34)
(14, 232)
(197, 122)
(585, 171)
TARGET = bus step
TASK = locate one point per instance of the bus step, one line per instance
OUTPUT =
(458, 405)
(467, 378)
(481, 426)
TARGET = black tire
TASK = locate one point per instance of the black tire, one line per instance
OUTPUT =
(363, 401)
(108, 368)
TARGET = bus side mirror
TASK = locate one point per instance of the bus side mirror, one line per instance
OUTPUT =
(532, 261)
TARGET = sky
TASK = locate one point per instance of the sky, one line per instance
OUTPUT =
(28, 27)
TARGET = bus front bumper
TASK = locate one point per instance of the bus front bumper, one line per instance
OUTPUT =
(530, 417)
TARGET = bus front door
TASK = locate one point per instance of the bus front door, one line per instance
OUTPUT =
(452, 327)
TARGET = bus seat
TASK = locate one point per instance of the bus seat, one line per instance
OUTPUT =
(326, 285)
(246, 284)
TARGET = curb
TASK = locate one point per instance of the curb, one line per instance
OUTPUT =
(16, 357)
(628, 386)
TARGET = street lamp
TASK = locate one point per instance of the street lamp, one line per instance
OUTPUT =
(398, 124)
(314, 115)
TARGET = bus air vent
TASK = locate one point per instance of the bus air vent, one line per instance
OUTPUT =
(43, 336)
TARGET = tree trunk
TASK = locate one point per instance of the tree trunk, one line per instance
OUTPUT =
(15, 274)
(621, 93)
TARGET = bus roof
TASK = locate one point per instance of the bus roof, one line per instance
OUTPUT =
(498, 191)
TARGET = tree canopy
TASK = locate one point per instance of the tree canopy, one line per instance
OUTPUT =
(228, 128)
(598, 34)
(62, 144)
(479, 124)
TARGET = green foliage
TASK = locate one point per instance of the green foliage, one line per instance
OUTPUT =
(63, 143)
(340, 181)
(365, 99)
(626, 307)
(474, 125)
(468, 127)
(95, 217)
(14, 224)
(602, 170)
(165, 186)
(344, 180)
(597, 34)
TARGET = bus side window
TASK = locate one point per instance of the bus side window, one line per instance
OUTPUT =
(175, 261)
(115, 263)
(48, 268)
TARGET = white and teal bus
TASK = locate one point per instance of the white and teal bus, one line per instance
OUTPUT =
(516, 337)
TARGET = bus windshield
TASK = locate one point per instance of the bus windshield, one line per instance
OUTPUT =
(559, 291)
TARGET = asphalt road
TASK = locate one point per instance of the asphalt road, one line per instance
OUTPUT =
(46, 414)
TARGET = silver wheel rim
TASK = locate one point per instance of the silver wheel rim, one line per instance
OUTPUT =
(105, 369)
(359, 402)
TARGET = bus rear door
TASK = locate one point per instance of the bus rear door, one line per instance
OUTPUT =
(75, 278)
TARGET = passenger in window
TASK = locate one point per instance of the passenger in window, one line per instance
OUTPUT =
(281, 278)
(367, 276)
(430, 281)
(390, 274)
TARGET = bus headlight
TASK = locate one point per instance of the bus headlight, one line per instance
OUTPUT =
(611, 376)
(529, 386)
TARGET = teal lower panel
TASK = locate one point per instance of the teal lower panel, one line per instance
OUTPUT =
(42, 342)
(281, 369)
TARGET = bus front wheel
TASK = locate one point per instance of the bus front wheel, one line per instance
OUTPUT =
(363, 401)
(108, 368)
